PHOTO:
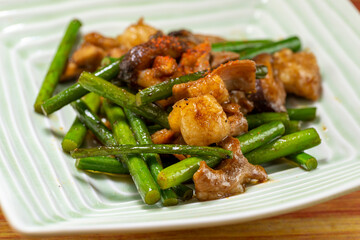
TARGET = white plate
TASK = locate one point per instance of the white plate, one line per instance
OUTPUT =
(42, 192)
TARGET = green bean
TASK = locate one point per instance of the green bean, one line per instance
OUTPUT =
(185, 169)
(284, 146)
(154, 128)
(237, 46)
(292, 43)
(152, 148)
(164, 89)
(304, 160)
(123, 98)
(302, 114)
(261, 135)
(77, 132)
(101, 165)
(93, 122)
(76, 91)
(75, 136)
(168, 197)
(255, 120)
(261, 71)
(107, 61)
(183, 192)
(58, 64)
(146, 185)
(292, 126)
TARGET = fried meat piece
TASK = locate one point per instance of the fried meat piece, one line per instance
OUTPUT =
(166, 136)
(299, 72)
(218, 58)
(163, 136)
(195, 59)
(99, 40)
(200, 120)
(238, 122)
(136, 34)
(240, 98)
(88, 57)
(142, 56)
(210, 84)
(238, 75)
(231, 176)
(235, 75)
(163, 67)
(186, 35)
(71, 72)
(209, 38)
(270, 93)
(196, 38)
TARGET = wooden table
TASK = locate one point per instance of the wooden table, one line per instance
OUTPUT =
(336, 219)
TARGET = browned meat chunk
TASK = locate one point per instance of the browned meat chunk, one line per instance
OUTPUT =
(117, 52)
(210, 84)
(163, 136)
(238, 75)
(240, 98)
(209, 38)
(163, 67)
(136, 34)
(99, 40)
(142, 56)
(186, 36)
(231, 176)
(299, 72)
(71, 71)
(196, 38)
(200, 120)
(88, 57)
(147, 78)
(180, 140)
(218, 58)
(238, 123)
(270, 93)
(195, 59)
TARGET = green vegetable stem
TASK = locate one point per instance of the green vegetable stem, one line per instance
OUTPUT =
(58, 64)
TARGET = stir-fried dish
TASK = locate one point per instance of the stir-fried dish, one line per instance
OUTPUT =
(180, 108)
